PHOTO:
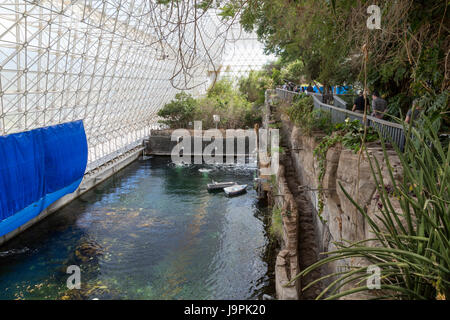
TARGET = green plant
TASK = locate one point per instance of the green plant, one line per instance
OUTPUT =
(318, 120)
(302, 113)
(350, 134)
(178, 112)
(276, 125)
(223, 99)
(254, 85)
(280, 150)
(412, 242)
(320, 152)
(353, 134)
(273, 184)
(276, 225)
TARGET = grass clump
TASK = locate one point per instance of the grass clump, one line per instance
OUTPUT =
(276, 224)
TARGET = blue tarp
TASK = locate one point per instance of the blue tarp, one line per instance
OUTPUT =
(37, 168)
(342, 90)
(336, 90)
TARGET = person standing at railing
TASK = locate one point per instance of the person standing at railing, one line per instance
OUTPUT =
(414, 112)
(379, 105)
(361, 103)
(310, 88)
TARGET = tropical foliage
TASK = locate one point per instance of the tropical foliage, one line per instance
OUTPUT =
(254, 86)
(329, 42)
(302, 114)
(412, 230)
(233, 107)
(179, 112)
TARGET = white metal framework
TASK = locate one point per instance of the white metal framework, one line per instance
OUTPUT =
(112, 63)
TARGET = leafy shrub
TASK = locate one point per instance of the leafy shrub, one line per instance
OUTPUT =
(179, 112)
(302, 114)
(301, 105)
(412, 242)
(352, 133)
(222, 99)
(255, 85)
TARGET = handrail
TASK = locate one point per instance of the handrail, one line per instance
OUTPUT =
(358, 115)
(390, 130)
(341, 103)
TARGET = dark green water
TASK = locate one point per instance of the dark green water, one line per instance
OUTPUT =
(150, 232)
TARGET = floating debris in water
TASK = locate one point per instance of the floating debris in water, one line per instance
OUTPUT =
(204, 170)
(13, 252)
(180, 164)
(92, 291)
(86, 251)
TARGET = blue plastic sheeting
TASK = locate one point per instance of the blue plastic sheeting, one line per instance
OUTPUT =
(37, 168)
(343, 90)
(318, 90)
(336, 90)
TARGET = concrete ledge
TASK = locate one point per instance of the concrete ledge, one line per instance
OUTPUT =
(90, 180)
(284, 290)
(160, 143)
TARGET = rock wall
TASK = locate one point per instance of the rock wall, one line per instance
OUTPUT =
(340, 218)
(305, 234)
(343, 167)
(287, 260)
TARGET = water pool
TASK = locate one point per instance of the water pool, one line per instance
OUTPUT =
(152, 231)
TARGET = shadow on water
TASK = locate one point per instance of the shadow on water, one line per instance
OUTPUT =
(152, 231)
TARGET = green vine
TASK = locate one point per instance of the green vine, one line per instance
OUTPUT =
(320, 152)
(350, 134)
(276, 223)
(302, 114)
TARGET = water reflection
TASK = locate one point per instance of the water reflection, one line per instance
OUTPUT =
(150, 232)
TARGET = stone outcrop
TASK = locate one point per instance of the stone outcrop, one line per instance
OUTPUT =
(343, 169)
(287, 260)
(340, 218)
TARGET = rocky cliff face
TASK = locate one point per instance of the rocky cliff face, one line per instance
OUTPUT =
(341, 219)
(287, 265)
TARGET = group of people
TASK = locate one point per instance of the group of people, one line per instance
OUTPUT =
(290, 86)
(379, 106)
(377, 109)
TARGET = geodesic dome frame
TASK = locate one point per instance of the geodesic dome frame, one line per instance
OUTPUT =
(111, 63)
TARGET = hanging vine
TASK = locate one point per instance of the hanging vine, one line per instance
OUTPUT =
(353, 136)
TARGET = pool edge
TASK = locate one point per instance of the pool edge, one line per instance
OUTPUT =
(90, 180)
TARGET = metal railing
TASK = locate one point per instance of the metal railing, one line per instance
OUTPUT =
(338, 102)
(392, 132)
